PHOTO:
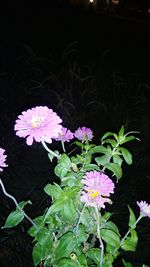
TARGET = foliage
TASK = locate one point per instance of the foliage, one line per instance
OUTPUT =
(73, 233)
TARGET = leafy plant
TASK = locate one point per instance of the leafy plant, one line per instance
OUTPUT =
(76, 229)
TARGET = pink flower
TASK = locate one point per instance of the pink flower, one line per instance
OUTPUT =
(97, 189)
(82, 133)
(65, 135)
(39, 123)
(144, 208)
(2, 159)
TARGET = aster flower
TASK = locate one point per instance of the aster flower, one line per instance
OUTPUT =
(144, 208)
(39, 123)
(97, 189)
(65, 136)
(2, 159)
(82, 133)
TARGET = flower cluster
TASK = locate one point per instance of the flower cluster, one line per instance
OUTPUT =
(43, 124)
(97, 189)
(2, 159)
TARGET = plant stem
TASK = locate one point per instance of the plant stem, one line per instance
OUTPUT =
(49, 150)
(63, 146)
(79, 219)
(109, 158)
(17, 205)
(99, 237)
(128, 232)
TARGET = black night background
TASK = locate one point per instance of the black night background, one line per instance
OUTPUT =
(92, 66)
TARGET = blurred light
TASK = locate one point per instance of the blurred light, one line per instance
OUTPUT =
(115, 2)
(91, 1)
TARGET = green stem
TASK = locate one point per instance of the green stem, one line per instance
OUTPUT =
(109, 158)
(17, 205)
(128, 232)
(99, 237)
(49, 150)
(63, 146)
(79, 219)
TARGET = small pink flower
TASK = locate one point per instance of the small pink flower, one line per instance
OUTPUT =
(2, 159)
(82, 133)
(65, 135)
(144, 208)
(39, 123)
(97, 189)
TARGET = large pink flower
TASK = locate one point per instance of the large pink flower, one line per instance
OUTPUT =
(2, 159)
(39, 123)
(97, 189)
(65, 136)
(144, 208)
(82, 133)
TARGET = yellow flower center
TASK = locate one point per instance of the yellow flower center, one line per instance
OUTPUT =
(93, 193)
(36, 121)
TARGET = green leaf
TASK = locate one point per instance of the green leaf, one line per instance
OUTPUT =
(44, 238)
(79, 144)
(67, 244)
(106, 216)
(121, 131)
(103, 160)
(60, 170)
(68, 212)
(81, 234)
(98, 149)
(106, 135)
(70, 192)
(127, 264)
(111, 226)
(57, 206)
(115, 168)
(39, 222)
(43, 248)
(110, 237)
(71, 180)
(53, 190)
(110, 141)
(48, 261)
(126, 155)
(117, 159)
(22, 204)
(14, 218)
(65, 160)
(94, 254)
(68, 263)
(130, 242)
(63, 166)
(37, 254)
(111, 250)
(132, 218)
(87, 219)
(90, 167)
(82, 259)
(127, 139)
(108, 260)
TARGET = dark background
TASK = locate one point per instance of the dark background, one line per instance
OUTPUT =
(92, 66)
